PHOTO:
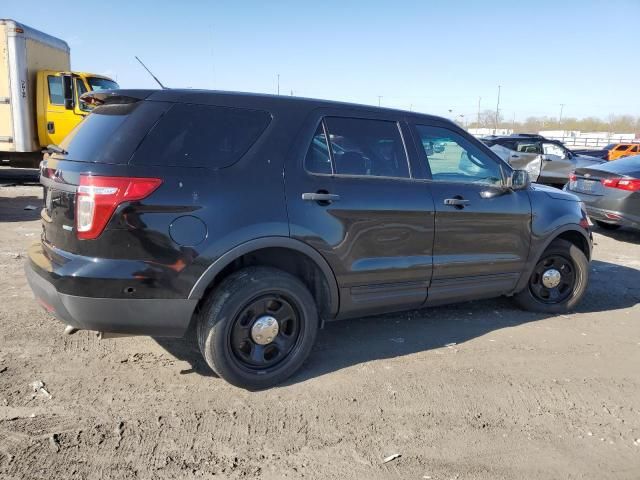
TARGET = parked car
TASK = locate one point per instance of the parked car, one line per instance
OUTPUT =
(235, 214)
(611, 192)
(547, 161)
(613, 151)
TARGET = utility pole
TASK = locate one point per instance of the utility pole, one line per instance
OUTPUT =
(498, 108)
(560, 117)
(513, 122)
(479, 100)
(379, 98)
(278, 84)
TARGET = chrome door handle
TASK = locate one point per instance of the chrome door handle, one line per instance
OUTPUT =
(321, 197)
(456, 202)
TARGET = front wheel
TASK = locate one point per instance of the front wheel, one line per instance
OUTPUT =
(257, 327)
(558, 281)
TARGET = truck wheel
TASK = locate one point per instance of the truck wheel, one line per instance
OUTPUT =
(558, 281)
(257, 327)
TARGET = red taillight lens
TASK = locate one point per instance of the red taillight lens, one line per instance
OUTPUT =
(629, 184)
(572, 177)
(98, 198)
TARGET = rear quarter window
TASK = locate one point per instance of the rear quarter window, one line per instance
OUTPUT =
(207, 136)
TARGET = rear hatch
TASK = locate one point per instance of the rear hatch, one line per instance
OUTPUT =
(101, 145)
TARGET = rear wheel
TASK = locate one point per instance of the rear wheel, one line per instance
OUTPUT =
(558, 281)
(257, 328)
(607, 226)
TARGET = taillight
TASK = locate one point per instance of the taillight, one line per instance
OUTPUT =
(629, 184)
(98, 198)
(572, 177)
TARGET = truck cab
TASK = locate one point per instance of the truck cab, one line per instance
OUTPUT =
(58, 104)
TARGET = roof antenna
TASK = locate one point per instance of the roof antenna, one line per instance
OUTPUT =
(154, 77)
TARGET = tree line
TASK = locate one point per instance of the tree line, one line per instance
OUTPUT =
(613, 123)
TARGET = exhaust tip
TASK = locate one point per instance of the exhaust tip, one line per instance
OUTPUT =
(69, 330)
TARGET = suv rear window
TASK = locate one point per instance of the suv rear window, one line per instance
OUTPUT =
(191, 135)
(111, 133)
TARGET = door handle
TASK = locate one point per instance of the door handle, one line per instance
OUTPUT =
(456, 202)
(51, 128)
(321, 197)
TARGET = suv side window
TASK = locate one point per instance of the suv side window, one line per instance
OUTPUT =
(528, 147)
(622, 148)
(190, 135)
(452, 158)
(318, 159)
(553, 149)
(366, 147)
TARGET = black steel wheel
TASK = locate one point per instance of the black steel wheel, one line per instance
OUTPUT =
(558, 280)
(265, 331)
(553, 279)
(257, 327)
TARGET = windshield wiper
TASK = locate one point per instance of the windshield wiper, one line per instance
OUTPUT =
(51, 148)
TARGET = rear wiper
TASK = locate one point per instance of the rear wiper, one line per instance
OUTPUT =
(51, 148)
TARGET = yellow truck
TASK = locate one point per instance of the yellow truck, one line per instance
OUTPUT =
(39, 94)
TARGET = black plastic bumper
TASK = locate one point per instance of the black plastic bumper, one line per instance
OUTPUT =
(153, 317)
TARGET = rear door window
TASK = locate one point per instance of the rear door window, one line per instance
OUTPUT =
(207, 136)
(367, 147)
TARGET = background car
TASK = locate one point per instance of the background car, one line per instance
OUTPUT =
(613, 151)
(610, 192)
(528, 151)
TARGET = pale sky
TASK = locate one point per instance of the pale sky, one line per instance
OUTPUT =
(431, 56)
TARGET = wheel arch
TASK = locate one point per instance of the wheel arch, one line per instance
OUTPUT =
(572, 233)
(284, 253)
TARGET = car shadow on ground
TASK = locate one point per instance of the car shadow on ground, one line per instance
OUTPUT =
(351, 342)
(624, 234)
(19, 209)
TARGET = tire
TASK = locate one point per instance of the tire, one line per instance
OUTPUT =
(571, 263)
(607, 226)
(229, 327)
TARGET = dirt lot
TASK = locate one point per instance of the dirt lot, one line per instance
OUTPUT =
(479, 390)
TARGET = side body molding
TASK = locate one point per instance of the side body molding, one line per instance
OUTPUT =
(269, 242)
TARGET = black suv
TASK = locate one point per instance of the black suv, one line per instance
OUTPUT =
(256, 218)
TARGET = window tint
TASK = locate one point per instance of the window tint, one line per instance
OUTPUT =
(201, 136)
(453, 158)
(56, 91)
(367, 147)
(634, 148)
(97, 83)
(553, 149)
(318, 159)
(621, 148)
(111, 133)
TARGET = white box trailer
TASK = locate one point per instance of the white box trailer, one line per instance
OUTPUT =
(23, 52)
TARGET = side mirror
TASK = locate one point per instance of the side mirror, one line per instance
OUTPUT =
(519, 180)
(67, 85)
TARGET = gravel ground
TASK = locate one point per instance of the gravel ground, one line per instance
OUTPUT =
(472, 391)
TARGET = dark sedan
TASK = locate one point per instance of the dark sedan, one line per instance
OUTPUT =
(611, 192)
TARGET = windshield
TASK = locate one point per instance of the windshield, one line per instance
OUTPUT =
(97, 83)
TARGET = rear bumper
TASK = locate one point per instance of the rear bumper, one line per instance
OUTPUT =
(614, 217)
(153, 316)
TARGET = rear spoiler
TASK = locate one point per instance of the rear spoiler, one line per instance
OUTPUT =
(113, 97)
